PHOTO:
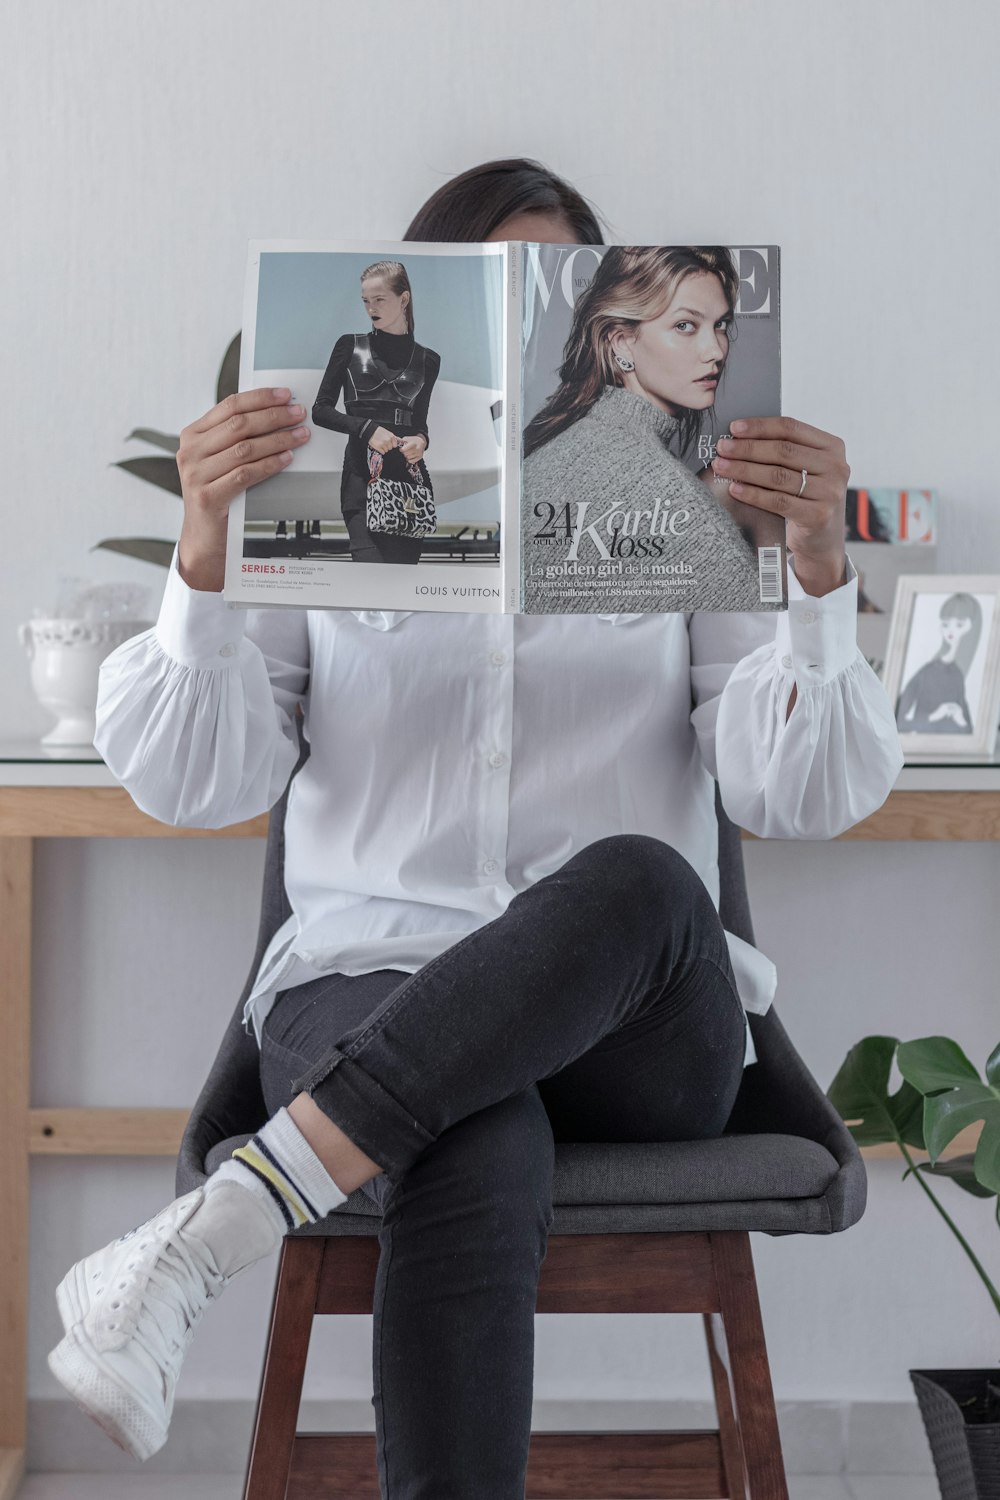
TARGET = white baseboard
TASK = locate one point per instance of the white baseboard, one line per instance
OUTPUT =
(213, 1437)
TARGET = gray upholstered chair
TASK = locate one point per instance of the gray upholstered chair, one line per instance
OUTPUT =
(651, 1227)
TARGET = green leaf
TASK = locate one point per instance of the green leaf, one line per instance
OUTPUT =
(228, 382)
(146, 548)
(988, 1153)
(860, 1092)
(960, 1170)
(934, 1062)
(907, 1108)
(993, 1067)
(158, 439)
(946, 1114)
(159, 471)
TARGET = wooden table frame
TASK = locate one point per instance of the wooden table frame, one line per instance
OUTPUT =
(28, 812)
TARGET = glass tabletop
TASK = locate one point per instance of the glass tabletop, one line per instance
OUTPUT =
(27, 752)
(980, 761)
(24, 751)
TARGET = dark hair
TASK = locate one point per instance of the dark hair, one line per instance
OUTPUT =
(471, 206)
(962, 607)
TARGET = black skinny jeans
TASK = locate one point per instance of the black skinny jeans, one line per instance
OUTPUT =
(600, 1007)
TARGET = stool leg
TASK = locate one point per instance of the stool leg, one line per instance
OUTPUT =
(749, 1371)
(733, 1461)
(284, 1367)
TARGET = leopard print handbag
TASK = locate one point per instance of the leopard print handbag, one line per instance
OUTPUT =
(397, 507)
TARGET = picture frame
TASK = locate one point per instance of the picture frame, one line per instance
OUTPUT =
(942, 672)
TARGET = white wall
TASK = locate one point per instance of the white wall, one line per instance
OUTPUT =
(145, 143)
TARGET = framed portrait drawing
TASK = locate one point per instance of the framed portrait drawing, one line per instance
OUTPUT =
(942, 670)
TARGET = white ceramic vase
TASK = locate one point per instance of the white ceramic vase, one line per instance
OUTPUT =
(65, 658)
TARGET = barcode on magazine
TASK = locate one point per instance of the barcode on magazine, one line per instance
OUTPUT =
(769, 574)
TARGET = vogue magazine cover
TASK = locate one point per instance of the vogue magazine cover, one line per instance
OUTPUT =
(635, 358)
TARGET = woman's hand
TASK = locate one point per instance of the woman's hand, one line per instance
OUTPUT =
(244, 439)
(382, 440)
(765, 459)
(412, 447)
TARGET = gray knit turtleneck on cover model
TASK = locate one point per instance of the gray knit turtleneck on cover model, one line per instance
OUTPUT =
(616, 458)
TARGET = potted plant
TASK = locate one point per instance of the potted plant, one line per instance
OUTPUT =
(163, 471)
(941, 1094)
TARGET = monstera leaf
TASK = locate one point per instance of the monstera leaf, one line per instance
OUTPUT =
(860, 1092)
(941, 1093)
(960, 1169)
(954, 1096)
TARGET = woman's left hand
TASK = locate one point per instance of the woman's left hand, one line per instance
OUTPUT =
(765, 459)
(412, 447)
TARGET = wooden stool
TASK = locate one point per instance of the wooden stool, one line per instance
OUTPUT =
(709, 1273)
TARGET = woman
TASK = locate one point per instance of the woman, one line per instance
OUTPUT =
(501, 863)
(934, 701)
(645, 355)
(387, 379)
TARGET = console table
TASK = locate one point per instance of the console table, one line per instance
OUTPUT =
(73, 795)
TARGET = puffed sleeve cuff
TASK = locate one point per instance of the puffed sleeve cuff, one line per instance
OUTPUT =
(196, 627)
(816, 638)
(832, 761)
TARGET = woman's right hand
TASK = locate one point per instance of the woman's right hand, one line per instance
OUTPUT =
(242, 440)
(382, 440)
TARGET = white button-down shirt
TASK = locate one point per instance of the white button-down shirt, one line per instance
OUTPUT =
(458, 758)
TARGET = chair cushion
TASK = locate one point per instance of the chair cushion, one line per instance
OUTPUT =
(773, 1183)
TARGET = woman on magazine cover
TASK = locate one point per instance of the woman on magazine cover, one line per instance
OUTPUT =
(646, 351)
(387, 379)
(501, 865)
(934, 701)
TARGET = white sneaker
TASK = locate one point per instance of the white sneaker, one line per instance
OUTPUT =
(130, 1309)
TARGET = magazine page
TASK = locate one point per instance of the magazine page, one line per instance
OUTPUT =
(396, 352)
(889, 533)
(635, 358)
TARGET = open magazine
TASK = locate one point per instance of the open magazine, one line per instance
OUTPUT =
(512, 427)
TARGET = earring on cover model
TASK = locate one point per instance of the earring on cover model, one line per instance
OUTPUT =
(624, 363)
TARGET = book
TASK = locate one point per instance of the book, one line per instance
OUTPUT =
(509, 427)
(890, 532)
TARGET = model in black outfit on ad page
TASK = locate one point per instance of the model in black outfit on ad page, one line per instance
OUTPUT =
(387, 379)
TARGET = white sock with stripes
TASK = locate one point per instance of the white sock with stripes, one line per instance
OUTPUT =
(280, 1167)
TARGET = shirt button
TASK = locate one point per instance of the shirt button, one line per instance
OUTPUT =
(807, 617)
(786, 661)
(228, 649)
(498, 758)
(490, 867)
(498, 658)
